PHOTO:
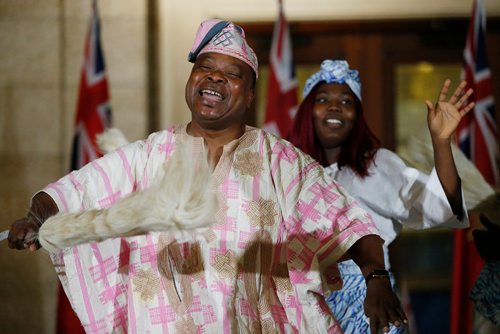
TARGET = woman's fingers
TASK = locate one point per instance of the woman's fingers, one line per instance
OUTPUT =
(430, 106)
(463, 99)
(444, 90)
(467, 108)
(458, 93)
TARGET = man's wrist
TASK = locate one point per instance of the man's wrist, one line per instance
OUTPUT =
(42, 207)
(377, 274)
(34, 218)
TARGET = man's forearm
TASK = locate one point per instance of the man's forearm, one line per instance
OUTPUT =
(368, 254)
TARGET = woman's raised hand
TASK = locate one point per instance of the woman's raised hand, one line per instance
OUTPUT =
(443, 116)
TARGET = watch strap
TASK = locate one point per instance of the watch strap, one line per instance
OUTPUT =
(377, 273)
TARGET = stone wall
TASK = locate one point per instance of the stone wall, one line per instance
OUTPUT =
(41, 45)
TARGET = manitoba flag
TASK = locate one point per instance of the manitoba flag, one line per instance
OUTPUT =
(477, 137)
(281, 103)
(93, 116)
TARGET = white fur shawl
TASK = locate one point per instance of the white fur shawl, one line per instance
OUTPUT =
(183, 200)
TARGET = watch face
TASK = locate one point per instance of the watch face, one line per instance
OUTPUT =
(381, 272)
(377, 273)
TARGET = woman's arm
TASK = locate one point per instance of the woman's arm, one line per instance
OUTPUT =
(443, 118)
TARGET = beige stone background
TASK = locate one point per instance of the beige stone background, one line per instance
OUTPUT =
(41, 50)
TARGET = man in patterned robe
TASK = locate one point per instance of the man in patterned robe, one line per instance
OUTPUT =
(268, 260)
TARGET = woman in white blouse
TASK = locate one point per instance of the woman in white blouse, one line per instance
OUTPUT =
(330, 126)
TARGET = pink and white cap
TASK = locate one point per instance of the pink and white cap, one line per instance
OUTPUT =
(226, 38)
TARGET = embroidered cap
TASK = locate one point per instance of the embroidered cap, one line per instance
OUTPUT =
(223, 37)
(335, 71)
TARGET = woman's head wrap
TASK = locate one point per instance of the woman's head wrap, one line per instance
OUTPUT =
(223, 37)
(335, 71)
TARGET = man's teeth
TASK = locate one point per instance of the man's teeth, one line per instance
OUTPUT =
(333, 121)
(212, 92)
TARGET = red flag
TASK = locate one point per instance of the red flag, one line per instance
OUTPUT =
(281, 104)
(93, 111)
(93, 116)
(477, 137)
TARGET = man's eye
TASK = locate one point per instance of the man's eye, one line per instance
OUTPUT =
(347, 102)
(321, 100)
(234, 75)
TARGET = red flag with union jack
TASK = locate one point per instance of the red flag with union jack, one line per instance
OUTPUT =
(93, 116)
(477, 137)
(281, 102)
(93, 111)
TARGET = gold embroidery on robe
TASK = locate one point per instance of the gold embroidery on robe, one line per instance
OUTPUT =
(248, 163)
(147, 284)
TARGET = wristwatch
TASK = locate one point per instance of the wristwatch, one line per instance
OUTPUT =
(377, 273)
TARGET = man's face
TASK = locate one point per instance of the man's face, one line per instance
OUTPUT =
(219, 91)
